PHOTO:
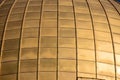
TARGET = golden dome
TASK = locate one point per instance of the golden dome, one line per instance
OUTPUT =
(60, 40)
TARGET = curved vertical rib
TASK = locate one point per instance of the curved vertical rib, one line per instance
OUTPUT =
(93, 35)
(111, 37)
(75, 39)
(57, 37)
(19, 54)
(37, 78)
(4, 31)
(114, 7)
(2, 2)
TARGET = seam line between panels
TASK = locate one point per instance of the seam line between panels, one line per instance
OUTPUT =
(4, 31)
(75, 39)
(111, 38)
(38, 53)
(2, 3)
(57, 39)
(94, 38)
(114, 6)
(20, 42)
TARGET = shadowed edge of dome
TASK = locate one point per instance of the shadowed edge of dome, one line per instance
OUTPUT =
(117, 1)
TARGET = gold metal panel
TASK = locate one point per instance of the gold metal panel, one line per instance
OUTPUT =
(2, 19)
(28, 76)
(67, 42)
(48, 42)
(14, 25)
(9, 67)
(117, 59)
(49, 14)
(83, 33)
(48, 53)
(51, 23)
(105, 36)
(50, 8)
(1, 32)
(29, 53)
(20, 4)
(1, 26)
(48, 32)
(83, 16)
(85, 43)
(107, 69)
(83, 24)
(47, 65)
(59, 40)
(11, 44)
(117, 48)
(118, 71)
(17, 10)
(66, 32)
(16, 17)
(30, 32)
(104, 46)
(29, 42)
(31, 23)
(12, 34)
(85, 54)
(86, 66)
(10, 55)
(101, 26)
(115, 29)
(116, 38)
(66, 15)
(28, 65)
(66, 23)
(99, 18)
(35, 3)
(65, 2)
(47, 75)
(107, 58)
(67, 53)
(67, 76)
(53, 2)
(32, 15)
(88, 75)
(67, 65)
(9, 77)
(106, 77)
(65, 8)
(33, 9)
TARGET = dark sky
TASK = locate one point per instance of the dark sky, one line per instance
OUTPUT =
(119, 0)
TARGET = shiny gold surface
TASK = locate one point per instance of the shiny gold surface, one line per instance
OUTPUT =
(60, 40)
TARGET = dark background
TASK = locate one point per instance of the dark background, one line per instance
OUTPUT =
(1, 1)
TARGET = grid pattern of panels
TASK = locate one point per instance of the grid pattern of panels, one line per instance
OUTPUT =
(60, 40)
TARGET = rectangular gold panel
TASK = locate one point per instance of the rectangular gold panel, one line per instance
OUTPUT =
(67, 65)
(29, 53)
(47, 75)
(28, 65)
(9, 67)
(48, 65)
(28, 76)
(48, 53)
(67, 53)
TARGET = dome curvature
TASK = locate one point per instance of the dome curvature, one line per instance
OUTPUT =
(60, 40)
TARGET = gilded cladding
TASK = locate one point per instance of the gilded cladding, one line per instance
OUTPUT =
(60, 40)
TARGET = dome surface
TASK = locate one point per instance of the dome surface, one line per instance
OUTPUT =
(60, 40)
